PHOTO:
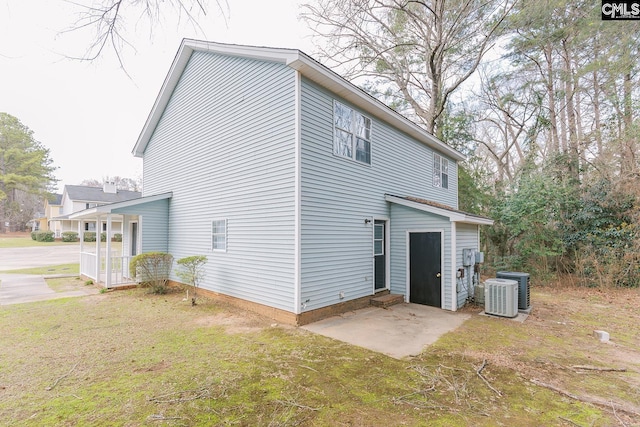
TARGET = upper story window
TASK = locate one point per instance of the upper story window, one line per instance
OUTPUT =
(440, 171)
(352, 134)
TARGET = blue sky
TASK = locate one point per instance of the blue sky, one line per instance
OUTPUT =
(89, 114)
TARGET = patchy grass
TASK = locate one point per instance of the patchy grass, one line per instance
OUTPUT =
(65, 284)
(131, 358)
(48, 270)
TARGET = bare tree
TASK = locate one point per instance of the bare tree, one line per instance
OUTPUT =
(120, 182)
(108, 20)
(415, 54)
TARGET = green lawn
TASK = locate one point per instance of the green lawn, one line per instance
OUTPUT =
(49, 270)
(24, 242)
(135, 359)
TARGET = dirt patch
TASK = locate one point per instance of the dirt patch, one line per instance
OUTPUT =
(232, 323)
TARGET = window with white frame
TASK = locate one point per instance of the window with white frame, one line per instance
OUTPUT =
(352, 134)
(378, 239)
(440, 171)
(219, 235)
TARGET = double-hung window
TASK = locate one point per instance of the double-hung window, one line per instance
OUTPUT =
(352, 134)
(440, 171)
(219, 235)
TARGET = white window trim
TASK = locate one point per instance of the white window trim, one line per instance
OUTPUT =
(225, 234)
(353, 134)
(378, 240)
(440, 173)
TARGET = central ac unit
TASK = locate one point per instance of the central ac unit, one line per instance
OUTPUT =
(524, 301)
(501, 297)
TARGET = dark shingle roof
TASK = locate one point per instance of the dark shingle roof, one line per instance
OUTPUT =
(96, 194)
(439, 206)
(56, 199)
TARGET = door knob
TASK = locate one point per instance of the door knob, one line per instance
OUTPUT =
(438, 275)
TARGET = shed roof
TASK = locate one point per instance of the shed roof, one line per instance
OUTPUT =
(299, 61)
(454, 215)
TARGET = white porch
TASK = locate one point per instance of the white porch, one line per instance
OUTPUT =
(107, 263)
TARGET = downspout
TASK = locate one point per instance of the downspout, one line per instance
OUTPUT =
(454, 281)
(297, 300)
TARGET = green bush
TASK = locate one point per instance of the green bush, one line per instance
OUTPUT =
(117, 237)
(45, 236)
(33, 235)
(69, 236)
(89, 236)
(152, 269)
(103, 237)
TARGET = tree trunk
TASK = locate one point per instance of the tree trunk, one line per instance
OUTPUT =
(553, 119)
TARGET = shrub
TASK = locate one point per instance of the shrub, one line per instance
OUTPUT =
(103, 237)
(152, 269)
(45, 236)
(191, 270)
(69, 236)
(117, 237)
(33, 235)
(89, 236)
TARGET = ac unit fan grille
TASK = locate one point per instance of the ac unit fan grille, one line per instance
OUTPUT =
(501, 297)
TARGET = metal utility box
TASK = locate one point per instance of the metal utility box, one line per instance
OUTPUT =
(523, 280)
(468, 257)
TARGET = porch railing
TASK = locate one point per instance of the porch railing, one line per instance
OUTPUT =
(119, 268)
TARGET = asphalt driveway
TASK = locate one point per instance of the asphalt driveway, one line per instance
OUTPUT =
(19, 288)
(38, 256)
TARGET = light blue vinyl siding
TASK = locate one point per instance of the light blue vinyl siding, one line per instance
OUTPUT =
(408, 219)
(339, 193)
(154, 223)
(225, 147)
(467, 238)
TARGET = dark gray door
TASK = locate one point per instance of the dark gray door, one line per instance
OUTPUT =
(379, 255)
(134, 238)
(425, 277)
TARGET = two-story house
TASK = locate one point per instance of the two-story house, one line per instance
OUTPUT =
(307, 195)
(75, 198)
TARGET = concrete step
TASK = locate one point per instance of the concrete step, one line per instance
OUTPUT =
(388, 300)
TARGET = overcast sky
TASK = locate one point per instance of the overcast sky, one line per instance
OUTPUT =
(89, 114)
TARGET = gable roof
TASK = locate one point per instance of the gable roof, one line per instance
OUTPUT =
(56, 200)
(424, 205)
(83, 193)
(298, 60)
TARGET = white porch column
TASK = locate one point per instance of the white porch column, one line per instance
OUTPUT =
(98, 231)
(80, 230)
(126, 246)
(108, 255)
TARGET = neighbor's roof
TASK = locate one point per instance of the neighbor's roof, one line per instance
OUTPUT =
(83, 193)
(56, 201)
(454, 215)
(299, 61)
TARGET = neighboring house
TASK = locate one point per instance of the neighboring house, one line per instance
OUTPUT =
(307, 195)
(51, 210)
(75, 198)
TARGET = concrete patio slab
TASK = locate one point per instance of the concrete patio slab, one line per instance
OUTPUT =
(21, 288)
(399, 331)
